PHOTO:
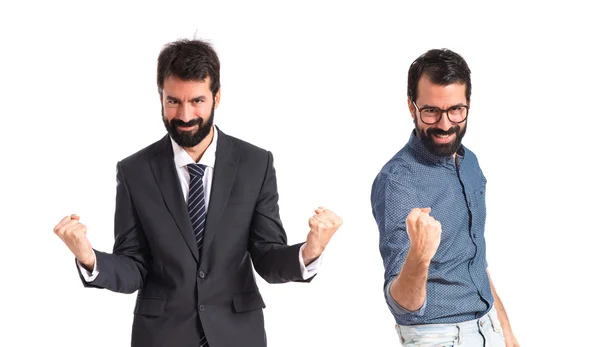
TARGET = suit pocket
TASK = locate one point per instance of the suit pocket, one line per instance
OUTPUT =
(149, 306)
(248, 301)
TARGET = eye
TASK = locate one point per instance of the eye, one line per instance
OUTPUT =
(171, 102)
(429, 110)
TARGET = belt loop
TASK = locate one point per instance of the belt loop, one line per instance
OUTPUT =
(399, 329)
(495, 323)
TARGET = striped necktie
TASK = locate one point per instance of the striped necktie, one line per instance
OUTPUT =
(196, 202)
(197, 211)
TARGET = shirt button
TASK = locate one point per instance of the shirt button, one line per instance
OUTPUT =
(201, 308)
(474, 236)
(201, 274)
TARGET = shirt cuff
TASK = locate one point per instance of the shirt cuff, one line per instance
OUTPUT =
(88, 276)
(396, 308)
(312, 268)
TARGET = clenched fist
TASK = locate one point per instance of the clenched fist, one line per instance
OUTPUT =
(72, 233)
(323, 224)
(424, 233)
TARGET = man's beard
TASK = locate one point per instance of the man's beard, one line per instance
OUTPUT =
(189, 138)
(441, 149)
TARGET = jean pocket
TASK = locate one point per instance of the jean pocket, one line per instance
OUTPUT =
(497, 328)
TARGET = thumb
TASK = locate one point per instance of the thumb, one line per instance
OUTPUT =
(74, 216)
(426, 210)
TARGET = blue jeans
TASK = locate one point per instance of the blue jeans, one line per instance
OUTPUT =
(482, 332)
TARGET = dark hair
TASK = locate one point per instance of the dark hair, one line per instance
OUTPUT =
(442, 67)
(189, 60)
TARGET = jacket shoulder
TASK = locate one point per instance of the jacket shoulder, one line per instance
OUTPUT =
(145, 153)
(246, 147)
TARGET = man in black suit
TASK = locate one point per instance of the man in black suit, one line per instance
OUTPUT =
(194, 212)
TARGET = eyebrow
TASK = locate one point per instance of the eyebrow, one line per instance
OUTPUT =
(198, 98)
(429, 106)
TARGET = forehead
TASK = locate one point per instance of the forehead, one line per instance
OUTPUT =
(175, 86)
(439, 95)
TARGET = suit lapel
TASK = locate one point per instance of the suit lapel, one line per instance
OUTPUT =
(223, 177)
(167, 180)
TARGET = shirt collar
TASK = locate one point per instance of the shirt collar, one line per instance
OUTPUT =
(182, 158)
(417, 145)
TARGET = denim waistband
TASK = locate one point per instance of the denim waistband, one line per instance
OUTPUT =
(455, 330)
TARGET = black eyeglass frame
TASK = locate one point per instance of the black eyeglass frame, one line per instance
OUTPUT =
(441, 113)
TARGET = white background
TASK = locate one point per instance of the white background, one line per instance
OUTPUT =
(323, 86)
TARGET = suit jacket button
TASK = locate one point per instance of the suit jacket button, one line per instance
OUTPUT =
(201, 274)
(201, 308)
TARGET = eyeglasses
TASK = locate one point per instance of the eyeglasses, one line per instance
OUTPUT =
(432, 115)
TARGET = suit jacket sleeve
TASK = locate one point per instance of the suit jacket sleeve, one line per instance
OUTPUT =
(125, 269)
(273, 259)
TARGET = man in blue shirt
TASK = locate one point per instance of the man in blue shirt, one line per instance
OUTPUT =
(437, 285)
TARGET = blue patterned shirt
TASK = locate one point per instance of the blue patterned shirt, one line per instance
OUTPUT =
(458, 288)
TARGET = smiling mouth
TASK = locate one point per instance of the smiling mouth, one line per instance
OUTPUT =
(186, 128)
(443, 138)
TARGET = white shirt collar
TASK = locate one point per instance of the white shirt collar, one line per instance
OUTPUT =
(182, 158)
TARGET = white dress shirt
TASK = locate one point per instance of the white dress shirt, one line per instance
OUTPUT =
(182, 159)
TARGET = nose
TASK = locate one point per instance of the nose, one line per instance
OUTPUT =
(444, 122)
(184, 112)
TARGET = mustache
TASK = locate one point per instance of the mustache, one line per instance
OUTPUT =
(436, 131)
(179, 123)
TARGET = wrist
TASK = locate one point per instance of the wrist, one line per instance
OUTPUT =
(309, 254)
(417, 259)
(88, 262)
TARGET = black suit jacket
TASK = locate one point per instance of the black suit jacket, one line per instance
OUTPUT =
(155, 250)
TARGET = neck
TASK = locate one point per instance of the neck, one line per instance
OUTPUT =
(198, 150)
